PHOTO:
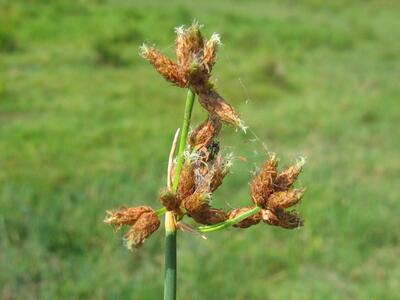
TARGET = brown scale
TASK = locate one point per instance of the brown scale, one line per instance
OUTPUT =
(262, 185)
(126, 215)
(195, 202)
(219, 171)
(286, 178)
(169, 200)
(210, 53)
(215, 104)
(186, 185)
(165, 66)
(145, 226)
(189, 44)
(208, 215)
(281, 218)
(205, 133)
(284, 199)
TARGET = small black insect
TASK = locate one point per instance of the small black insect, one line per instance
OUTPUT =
(213, 150)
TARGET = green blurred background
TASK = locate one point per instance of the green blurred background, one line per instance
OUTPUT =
(86, 126)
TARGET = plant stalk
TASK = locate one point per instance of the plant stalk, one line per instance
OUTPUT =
(228, 223)
(183, 139)
(170, 227)
(170, 257)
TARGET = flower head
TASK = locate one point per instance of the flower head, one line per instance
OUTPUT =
(195, 57)
(142, 219)
(126, 215)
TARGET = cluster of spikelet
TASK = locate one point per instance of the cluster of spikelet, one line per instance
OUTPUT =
(195, 58)
(204, 168)
(272, 191)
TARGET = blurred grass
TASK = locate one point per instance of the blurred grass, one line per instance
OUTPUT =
(86, 125)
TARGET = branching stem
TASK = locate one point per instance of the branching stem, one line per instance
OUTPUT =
(228, 223)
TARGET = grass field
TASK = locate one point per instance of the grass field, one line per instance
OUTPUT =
(86, 126)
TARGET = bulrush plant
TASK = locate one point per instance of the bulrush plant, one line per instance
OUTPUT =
(199, 169)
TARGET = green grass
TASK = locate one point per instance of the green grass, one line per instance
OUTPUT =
(86, 125)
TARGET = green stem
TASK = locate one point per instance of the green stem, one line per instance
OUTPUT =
(170, 229)
(170, 257)
(228, 223)
(183, 138)
(219, 226)
(161, 211)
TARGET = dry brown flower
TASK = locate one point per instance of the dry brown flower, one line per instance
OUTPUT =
(205, 133)
(284, 219)
(189, 44)
(147, 224)
(126, 215)
(286, 178)
(262, 185)
(164, 65)
(210, 51)
(169, 200)
(284, 199)
(208, 215)
(217, 106)
(195, 59)
(186, 185)
(220, 169)
(196, 202)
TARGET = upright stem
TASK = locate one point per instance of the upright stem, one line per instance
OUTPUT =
(183, 138)
(170, 228)
(170, 257)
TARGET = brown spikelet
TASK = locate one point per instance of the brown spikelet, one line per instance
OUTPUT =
(165, 66)
(281, 218)
(210, 171)
(196, 202)
(269, 217)
(186, 181)
(284, 199)
(262, 185)
(169, 200)
(182, 48)
(217, 106)
(219, 170)
(189, 43)
(126, 215)
(286, 178)
(205, 133)
(209, 216)
(147, 224)
(250, 221)
(195, 38)
(210, 52)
